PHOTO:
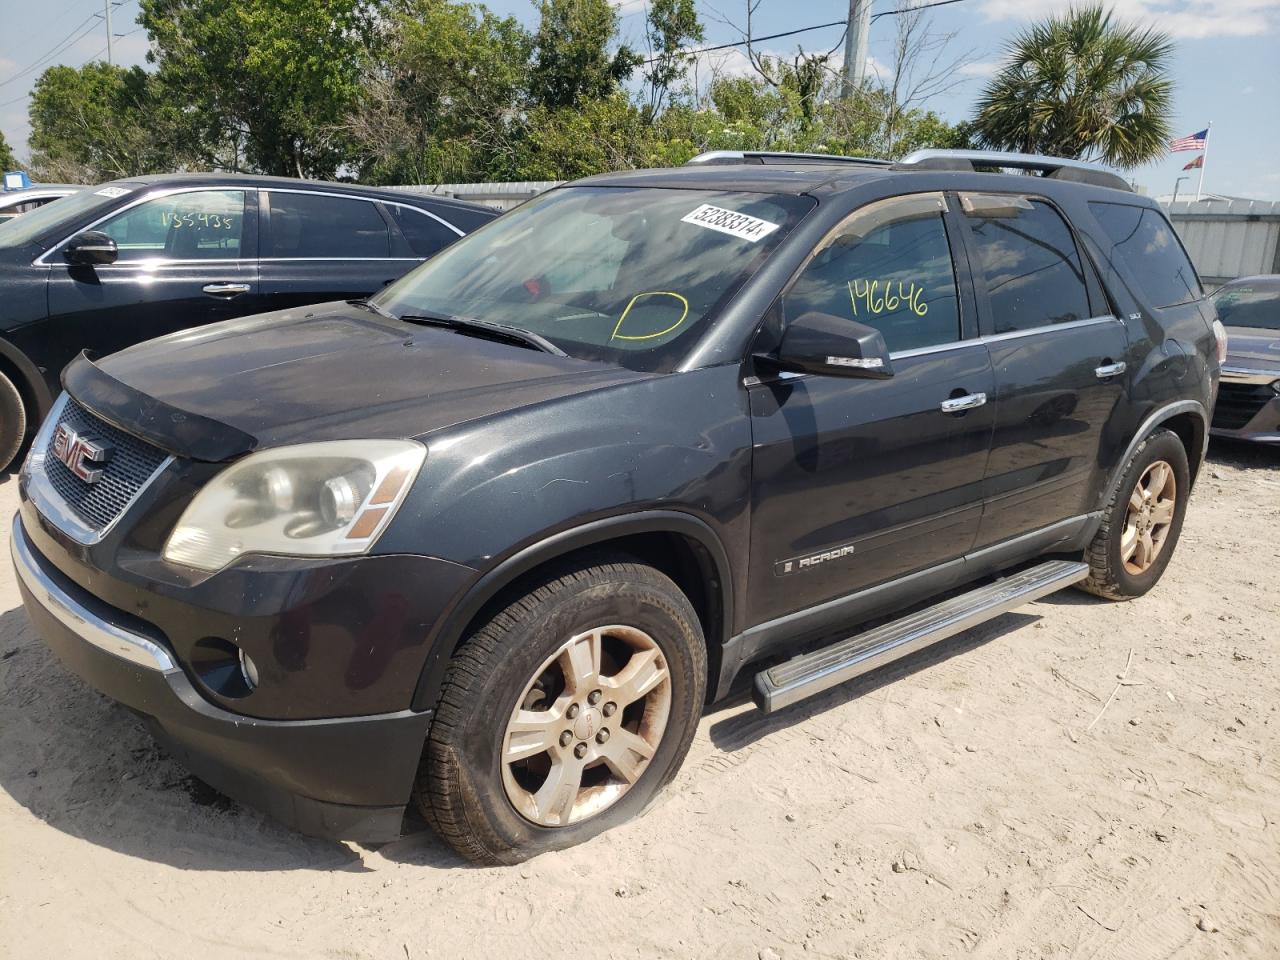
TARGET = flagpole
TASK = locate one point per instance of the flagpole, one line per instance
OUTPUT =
(1204, 160)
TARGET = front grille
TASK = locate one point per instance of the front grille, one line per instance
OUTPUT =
(1238, 403)
(132, 463)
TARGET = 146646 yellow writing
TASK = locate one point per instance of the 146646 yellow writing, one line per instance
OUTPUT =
(885, 296)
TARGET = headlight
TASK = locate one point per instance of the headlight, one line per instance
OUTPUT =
(313, 499)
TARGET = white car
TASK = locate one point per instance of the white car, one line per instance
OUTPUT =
(16, 202)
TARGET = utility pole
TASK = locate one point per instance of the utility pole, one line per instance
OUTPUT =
(855, 46)
(106, 6)
(1175, 192)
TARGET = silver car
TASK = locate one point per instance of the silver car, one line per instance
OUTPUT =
(16, 202)
(1249, 396)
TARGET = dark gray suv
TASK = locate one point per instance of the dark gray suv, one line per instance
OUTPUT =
(494, 538)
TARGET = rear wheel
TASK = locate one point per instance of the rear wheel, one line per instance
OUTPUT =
(1142, 522)
(13, 421)
(565, 713)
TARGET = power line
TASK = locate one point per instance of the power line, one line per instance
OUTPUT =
(57, 48)
(818, 26)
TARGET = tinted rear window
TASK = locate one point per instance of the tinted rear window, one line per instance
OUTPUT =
(307, 225)
(1250, 303)
(1144, 241)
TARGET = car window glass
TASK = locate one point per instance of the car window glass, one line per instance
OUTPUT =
(201, 225)
(890, 268)
(1143, 239)
(1027, 256)
(309, 225)
(1250, 303)
(425, 234)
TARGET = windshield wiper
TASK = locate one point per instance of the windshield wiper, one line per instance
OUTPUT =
(498, 330)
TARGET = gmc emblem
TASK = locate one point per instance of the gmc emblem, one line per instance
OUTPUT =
(85, 457)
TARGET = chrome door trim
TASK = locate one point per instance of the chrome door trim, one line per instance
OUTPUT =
(1109, 370)
(969, 401)
(1047, 328)
(226, 289)
(76, 617)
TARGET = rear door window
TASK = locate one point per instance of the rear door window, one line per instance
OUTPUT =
(1028, 259)
(1144, 241)
(315, 226)
(889, 268)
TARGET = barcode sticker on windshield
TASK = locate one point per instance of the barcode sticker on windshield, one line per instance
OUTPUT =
(112, 192)
(729, 221)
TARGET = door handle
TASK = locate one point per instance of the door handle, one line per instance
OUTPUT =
(1108, 370)
(226, 291)
(969, 401)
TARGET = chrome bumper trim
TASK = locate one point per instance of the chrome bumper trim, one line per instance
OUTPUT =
(1234, 374)
(91, 628)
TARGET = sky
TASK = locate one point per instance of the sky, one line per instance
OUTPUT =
(1224, 67)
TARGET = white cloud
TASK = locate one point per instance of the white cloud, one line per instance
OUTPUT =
(1184, 19)
(983, 69)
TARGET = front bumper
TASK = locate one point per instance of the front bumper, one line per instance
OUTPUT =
(1248, 407)
(347, 778)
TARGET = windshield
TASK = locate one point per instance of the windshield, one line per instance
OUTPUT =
(626, 275)
(1253, 303)
(46, 220)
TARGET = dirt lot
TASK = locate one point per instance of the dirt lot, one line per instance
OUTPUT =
(955, 804)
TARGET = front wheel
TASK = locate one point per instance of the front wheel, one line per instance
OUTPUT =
(13, 421)
(564, 714)
(1142, 521)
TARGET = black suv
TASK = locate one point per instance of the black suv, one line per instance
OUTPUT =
(123, 262)
(494, 538)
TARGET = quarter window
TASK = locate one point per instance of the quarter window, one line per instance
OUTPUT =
(309, 226)
(200, 225)
(425, 235)
(890, 268)
(1028, 258)
(1143, 240)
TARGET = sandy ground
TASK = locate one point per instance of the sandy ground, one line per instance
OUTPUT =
(955, 804)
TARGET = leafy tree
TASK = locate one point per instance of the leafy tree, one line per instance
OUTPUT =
(7, 160)
(672, 27)
(1081, 85)
(571, 59)
(98, 122)
(440, 100)
(260, 84)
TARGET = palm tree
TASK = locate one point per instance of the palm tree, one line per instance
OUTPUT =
(1081, 85)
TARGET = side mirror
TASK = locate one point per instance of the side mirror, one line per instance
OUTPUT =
(835, 347)
(90, 248)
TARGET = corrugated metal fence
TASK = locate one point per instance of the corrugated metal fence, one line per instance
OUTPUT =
(1229, 237)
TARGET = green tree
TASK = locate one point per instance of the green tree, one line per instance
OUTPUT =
(261, 84)
(440, 100)
(672, 27)
(7, 160)
(1081, 85)
(572, 63)
(98, 122)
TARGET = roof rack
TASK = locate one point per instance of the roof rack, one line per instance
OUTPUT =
(723, 157)
(1057, 168)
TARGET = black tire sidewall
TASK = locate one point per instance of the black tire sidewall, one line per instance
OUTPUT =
(13, 422)
(1164, 445)
(476, 746)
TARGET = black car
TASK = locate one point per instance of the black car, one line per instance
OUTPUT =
(494, 538)
(127, 261)
(1249, 397)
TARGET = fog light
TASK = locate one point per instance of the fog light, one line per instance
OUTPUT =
(248, 669)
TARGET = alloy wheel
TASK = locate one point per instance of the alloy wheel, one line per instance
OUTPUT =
(586, 726)
(1149, 517)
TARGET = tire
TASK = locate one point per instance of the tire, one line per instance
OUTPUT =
(13, 422)
(1120, 566)
(485, 804)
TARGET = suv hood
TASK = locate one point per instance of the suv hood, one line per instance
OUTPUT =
(1253, 344)
(325, 372)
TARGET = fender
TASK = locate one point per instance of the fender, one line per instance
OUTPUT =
(1148, 425)
(35, 381)
(449, 631)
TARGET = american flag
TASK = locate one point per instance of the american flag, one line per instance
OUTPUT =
(1195, 141)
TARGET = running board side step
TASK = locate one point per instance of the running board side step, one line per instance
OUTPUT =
(803, 676)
